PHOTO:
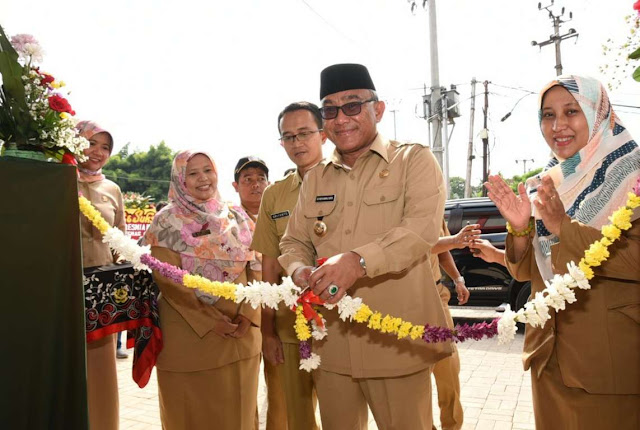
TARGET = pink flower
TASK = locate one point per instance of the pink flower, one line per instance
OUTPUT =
(20, 40)
(636, 189)
(636, 6)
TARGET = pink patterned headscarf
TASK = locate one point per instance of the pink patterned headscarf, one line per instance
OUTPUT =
(88, 129)
(212, 237)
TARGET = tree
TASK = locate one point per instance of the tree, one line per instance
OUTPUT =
(146, 173)
(513, 182)
(456, 188)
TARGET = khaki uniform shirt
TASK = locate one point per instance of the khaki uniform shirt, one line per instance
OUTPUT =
(256, 264)
(278, 202)
(106, 197)
(388, 208)
(597, 338)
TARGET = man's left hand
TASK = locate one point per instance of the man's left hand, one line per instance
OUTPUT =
(341, 270)
(462, 292)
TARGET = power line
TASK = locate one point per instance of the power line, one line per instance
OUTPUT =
(515, 88)
(625, 106)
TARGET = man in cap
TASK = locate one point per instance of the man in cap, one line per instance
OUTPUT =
(251, 177)
(374, 209)
(301, 135)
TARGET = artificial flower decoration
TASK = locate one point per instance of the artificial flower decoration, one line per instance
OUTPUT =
(34, 115)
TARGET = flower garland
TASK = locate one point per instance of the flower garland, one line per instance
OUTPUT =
(309, 324)
(559, 290)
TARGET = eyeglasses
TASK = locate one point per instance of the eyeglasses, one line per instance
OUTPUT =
(302, 136)
(349, 109)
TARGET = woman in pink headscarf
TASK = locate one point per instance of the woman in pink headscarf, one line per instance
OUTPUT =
(208, 368)
(102, 378)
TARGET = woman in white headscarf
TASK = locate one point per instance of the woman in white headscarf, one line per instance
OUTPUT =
(585, 361)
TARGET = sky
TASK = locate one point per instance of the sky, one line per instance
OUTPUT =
(214, 75)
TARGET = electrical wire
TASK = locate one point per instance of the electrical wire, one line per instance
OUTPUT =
(118, 178)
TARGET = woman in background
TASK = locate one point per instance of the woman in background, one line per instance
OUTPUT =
(105, 196)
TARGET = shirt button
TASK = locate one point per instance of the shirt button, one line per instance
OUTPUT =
(349, 203)
(347, 231)
(383, 198)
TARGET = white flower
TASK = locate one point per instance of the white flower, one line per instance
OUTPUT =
(251, 293)
(310, 363)
(319, 333)
(578, 275)
(348, 306)
(554, 299)
(507, 326)
(290, 292)
(531, 316)
(541, 308)
(270, 295)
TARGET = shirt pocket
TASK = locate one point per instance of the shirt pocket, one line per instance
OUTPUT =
(281, 225)
(382, 208)
(325, 212)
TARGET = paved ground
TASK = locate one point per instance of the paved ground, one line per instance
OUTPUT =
(496, 392)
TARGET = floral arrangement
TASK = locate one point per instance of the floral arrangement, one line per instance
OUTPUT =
(34, 115)
(623, 54)
(133, 200)
(309, 323)
(559, 290)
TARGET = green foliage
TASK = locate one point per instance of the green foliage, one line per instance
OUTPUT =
(147, 173)
(456, 188)
(513, 182)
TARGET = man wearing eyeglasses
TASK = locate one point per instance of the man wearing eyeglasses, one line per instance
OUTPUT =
(301, 135)
(374, 209)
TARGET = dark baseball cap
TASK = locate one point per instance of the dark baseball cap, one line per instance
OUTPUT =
(250, 161)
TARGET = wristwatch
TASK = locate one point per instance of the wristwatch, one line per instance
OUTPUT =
(459, 280)
(363, 265)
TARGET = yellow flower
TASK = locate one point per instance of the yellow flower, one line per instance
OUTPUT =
(64, 115)
(622, 218)
(416, 332)
(404, 329)
(610, 231)
(226, 290)
(363, 313)
(302, 328)
(374, 321)
(121, 295)
(586, 269)
(58, 84)
(606, 242)
(596, 254)
(390, 324)
(633, 201)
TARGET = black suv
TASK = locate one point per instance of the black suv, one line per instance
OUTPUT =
(490, 284)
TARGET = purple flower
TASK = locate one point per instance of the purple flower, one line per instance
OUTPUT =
(460, 333)
(165, 269)
(434, 334)
(305, 350)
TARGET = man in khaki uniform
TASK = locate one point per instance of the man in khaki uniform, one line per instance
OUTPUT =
(300, 128)
(447, 371)
(251, 178)
(374, 210)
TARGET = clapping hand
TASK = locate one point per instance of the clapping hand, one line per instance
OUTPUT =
(516, 209)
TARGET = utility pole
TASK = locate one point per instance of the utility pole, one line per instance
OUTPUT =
(467, 183)
(393, 111)
(485, 139)
(445, 134)
(436, 96)
(556, 38)
(524, 162)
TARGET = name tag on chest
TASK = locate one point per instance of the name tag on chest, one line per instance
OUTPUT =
(280, 215)
(329, 198)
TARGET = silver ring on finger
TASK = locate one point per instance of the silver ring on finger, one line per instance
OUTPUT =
(333, 289)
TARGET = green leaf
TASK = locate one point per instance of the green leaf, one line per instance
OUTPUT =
(636, 74)
(635, 55)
